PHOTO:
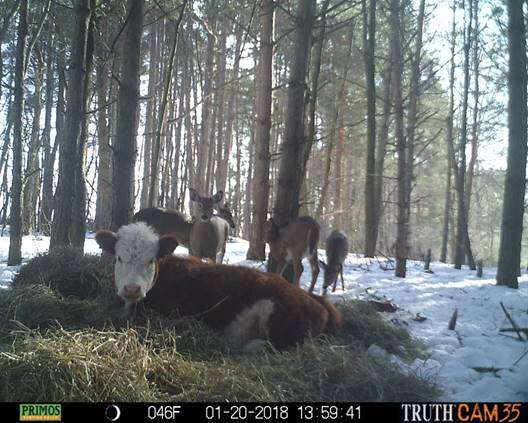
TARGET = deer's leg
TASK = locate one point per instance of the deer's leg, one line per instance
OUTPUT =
(281, 266)
(314, 264)
(342, 279)
(297, 271)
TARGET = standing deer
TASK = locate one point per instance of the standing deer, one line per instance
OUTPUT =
(209, 233)
(336, 252)
(247, 306)
(292, 243)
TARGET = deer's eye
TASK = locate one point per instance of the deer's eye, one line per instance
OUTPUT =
(119, 259)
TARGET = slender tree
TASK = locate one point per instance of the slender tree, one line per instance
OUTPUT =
(515, 183)
(125, 140)
(369, 46)
(15, 232)
(263, 105)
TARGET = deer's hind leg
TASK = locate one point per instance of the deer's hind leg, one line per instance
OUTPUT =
(314, 264)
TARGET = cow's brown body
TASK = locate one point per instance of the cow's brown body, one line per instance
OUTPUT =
(245, 303)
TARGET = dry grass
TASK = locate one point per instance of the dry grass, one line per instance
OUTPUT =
(74, 347)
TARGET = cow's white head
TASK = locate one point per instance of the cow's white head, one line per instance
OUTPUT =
(136, 249)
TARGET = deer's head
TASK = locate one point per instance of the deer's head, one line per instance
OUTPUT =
(225, 213)
(205, 204)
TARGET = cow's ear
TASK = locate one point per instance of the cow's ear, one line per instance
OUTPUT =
(166, 245)
(106, 240)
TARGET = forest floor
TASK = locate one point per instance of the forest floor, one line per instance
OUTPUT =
(475, 362)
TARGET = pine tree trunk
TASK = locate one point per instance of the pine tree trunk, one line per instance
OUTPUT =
(397, 71)
(15, 231)
(369, 45)
(514, 188)
(103, 212)
(49, 150)
(32, 174)
(78, 223)
(263, 103)
(463, 245)
(292, 149)
(125, 141)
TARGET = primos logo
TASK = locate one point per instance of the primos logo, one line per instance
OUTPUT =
(40, 412)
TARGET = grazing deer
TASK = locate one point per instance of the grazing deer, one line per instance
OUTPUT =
(166, 222)
(246, 305)
(336, 252)
(209, 233)
(292, 243)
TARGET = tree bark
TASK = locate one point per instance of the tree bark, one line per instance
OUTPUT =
(397, 71)
(15, 231)
(292, 149)
(515, 183)
(161, 112)
(263, 103)
(125, 141)
(50, 151)
(463, 245)
(32, 176)
(369, 45)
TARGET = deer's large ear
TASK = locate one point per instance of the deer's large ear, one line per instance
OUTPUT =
(106, 240)
(166, 245)
(218, 196)
(193, 194)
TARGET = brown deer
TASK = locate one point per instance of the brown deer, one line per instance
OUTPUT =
(246, 305)
(292, 243)
(209, 233)
(336, 253)
(166, 222)
(225, 213)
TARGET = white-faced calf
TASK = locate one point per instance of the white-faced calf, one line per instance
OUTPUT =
(247, 305)
(336, 252)
(292, 243)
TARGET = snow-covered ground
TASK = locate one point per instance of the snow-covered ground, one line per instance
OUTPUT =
(475, 362)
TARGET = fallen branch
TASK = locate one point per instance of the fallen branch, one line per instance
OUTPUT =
(453, 321)
(514, 325)
(384, 306)
(520, 358)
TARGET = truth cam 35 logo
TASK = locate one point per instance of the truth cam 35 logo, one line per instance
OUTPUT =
(465, 412)
(40, 412)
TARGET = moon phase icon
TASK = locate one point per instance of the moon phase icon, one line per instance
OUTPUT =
(113, 412)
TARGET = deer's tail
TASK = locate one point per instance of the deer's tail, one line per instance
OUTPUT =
(335, 319)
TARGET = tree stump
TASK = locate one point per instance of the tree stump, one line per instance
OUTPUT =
(427, 264)
(479, 268)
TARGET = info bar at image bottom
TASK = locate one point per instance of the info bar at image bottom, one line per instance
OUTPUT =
(500, 412)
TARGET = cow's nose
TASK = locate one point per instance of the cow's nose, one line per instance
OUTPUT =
(132, 290)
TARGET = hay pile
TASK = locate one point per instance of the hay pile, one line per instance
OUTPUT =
(61, 339)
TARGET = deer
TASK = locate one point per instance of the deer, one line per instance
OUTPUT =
(336, 253)
(225, 213)
(245, 305)
(166, 222)
(209, 233)
(172, 222)
(292, 243)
